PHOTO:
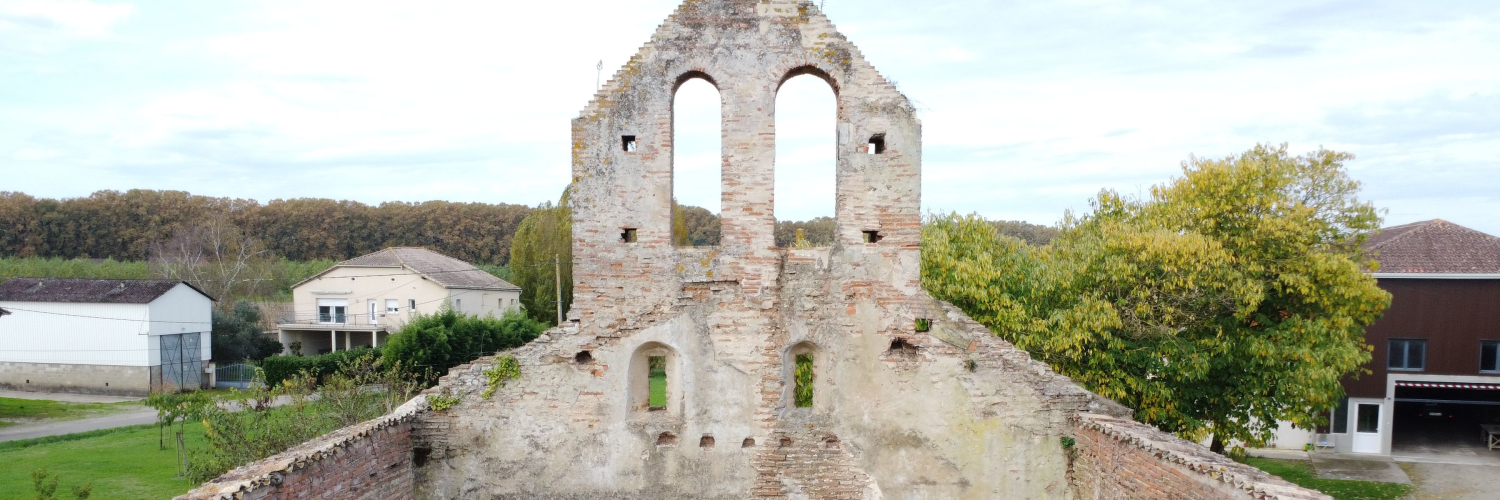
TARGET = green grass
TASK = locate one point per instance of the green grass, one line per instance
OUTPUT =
(1301, 473)
(658, 388)
(17, 411)
(122, 463)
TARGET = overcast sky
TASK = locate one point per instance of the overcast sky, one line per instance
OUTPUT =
(1029, 108)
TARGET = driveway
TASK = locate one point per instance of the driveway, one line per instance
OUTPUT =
(67, 398)
(1452, 482)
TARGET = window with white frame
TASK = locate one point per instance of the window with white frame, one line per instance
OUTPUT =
(1407, 355)
(392, 305)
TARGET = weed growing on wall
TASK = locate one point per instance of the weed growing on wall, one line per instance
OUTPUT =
(506, 368)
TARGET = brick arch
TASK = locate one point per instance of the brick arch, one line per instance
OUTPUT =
(699, 74)
(810, 69)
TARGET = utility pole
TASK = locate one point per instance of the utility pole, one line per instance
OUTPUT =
(557, 272)
(598, 74)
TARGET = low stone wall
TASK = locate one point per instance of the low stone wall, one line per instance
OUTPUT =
(1121, 459)
(367, 461)
(83, 379)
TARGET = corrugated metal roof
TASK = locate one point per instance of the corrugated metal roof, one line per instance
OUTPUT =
(87, 291)
(1435, 247)
(441, 269)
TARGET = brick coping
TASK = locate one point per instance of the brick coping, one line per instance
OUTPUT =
(1253, 482)
(269, 472)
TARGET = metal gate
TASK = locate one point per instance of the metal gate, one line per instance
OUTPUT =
(181, 362)
(238, 375)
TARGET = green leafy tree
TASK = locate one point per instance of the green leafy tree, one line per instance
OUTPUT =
(238, 336)
(680, 235)
(1232, 297)
(543, 246)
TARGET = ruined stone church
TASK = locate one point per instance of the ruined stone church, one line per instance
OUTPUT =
(909, 398)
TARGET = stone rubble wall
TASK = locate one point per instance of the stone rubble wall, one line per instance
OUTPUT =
(1119, 459)
(367, 461)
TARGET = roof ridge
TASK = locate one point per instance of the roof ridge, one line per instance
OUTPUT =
(1412, 228)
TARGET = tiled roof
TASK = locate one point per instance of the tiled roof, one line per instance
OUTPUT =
(441, 269)
(1435, 247)
(86, 291)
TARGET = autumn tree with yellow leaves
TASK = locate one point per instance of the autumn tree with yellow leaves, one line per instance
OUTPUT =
(1229, 298)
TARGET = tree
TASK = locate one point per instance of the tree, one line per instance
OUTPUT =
(216, 257)
(543, 246)
(680, 236)
(238, 336)
(1233, 297)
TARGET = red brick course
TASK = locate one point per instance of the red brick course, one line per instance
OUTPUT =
(1119, 459)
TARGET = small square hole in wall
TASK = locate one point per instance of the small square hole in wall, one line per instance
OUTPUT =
(747, 443)
(666, 439)
(873, 236)
(628, 143)
(627, 235)
(706, 442)
(876, 145)
(583, 358)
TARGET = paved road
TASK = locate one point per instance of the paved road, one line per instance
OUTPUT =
(27, 431)
(67, 398)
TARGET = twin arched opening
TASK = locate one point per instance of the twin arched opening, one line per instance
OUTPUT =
(806, 143)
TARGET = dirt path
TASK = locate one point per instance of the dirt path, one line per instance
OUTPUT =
(1452, 482)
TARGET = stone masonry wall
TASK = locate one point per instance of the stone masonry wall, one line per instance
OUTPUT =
(366, 461)
(1119, 459)
(911, 398)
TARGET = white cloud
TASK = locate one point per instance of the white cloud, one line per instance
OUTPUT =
(1029, 108)
(34, 25)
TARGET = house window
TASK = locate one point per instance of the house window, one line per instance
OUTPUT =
(1489, 356)
(411, 305)
(333, 311)
(458, 304)
(1407, 354)
(392, 305)
(1341, 417)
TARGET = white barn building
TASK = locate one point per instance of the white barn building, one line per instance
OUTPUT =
(104, 336)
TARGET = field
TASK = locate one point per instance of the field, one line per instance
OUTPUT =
(1301, 473)
(124, 463)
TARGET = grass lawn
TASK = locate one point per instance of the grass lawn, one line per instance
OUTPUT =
(123, 463)
(1301, 473)
(15, 411)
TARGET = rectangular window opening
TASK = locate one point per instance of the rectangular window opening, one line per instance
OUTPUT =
(804, 376)
(628, 143)
(1489, 356)
(1407, 355)
(657, 382)
(873, 236)
(627, 235)
(876, 145)
(411, 305)
(1341, 417)
(392, 305)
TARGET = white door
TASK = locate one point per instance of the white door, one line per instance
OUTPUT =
(374, 318)
(1367, 428)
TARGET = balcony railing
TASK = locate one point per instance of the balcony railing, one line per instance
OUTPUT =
(362, 319)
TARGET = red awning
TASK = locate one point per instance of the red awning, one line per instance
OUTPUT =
(1444, 385)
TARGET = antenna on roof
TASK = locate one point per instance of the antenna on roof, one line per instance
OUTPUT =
(598, 74)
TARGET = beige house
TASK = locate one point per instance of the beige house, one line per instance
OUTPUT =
(358, 302)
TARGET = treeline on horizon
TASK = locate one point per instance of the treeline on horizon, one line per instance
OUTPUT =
(123, 225)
